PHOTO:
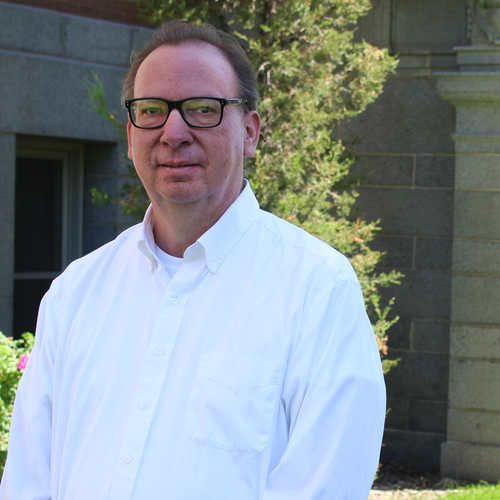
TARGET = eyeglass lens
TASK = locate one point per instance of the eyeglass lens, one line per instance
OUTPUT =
(151, 113)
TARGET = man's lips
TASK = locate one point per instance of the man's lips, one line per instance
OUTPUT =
(178, 165)
(179, 171)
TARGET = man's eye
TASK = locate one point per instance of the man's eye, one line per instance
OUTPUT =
(200, 107)
(150, 111)
(204, 110)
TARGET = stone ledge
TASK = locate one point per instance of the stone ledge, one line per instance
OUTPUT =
(476, 144)
(35, 84)
(477, 55)
(469, 87)
(474, 427)
(473, 462)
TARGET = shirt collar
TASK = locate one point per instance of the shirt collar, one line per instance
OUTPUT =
(146, 243)
(218, 241)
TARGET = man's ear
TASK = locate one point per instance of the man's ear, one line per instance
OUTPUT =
(129, 138)
(252, 132)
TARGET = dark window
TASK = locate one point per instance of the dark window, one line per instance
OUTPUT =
(27, 296)
(48, 221)
(38, 236)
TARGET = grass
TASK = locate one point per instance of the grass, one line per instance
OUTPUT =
(481, 491)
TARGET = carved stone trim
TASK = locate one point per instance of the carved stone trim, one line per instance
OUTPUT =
(484, 22)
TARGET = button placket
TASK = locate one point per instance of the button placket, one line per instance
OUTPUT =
(163, 338)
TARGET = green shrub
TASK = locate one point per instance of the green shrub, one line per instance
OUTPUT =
(14, 355)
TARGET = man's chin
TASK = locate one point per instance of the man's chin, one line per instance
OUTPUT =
(182, 192)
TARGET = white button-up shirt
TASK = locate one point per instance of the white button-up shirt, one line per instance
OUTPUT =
(252, 374)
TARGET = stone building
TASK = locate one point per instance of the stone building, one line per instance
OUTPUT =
(430, 145)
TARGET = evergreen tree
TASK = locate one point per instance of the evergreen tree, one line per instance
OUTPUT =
(311, 76)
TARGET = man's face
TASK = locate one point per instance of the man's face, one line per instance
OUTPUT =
(181, 164)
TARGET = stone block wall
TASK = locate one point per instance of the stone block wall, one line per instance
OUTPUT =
(413, 195)
(472, 450)
(120, 11)
(408, 157)
(46, 58)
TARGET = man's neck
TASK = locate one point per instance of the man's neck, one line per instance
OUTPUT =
(174, 233)
(178, 225)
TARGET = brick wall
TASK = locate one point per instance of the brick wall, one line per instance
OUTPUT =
(120, 11)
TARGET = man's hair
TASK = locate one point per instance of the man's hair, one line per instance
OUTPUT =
(180, 32)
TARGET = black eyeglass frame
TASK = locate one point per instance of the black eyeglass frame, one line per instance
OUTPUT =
(178, 105)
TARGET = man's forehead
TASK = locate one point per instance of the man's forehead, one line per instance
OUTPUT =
(206, 53)
(192, 63)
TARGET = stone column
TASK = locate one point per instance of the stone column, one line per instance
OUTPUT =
(472, 450)
(7, 192)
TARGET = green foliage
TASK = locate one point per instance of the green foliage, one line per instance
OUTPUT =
(132, 196)
(312, 76)
(13, 357)
(481, 491)
(97, 101)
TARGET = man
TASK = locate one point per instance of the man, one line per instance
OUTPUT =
(214, 351)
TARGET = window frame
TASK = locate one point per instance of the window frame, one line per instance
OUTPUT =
(71, 155)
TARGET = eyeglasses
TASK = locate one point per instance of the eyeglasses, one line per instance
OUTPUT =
(199, 112)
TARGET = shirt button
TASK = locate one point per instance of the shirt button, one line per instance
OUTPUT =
(158, 351)
(144, 405)
(128, 459)
(213, 266)
(174, 299)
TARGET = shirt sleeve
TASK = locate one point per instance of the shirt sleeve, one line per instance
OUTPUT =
(334, 398)
(27, 473)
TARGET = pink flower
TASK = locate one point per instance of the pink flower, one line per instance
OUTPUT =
(23, 360)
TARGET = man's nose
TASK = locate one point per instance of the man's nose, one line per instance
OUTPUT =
(176, 131)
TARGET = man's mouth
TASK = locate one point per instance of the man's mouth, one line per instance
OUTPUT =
(178, 165)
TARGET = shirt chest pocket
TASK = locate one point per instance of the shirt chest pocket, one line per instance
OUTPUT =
(233, 402)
